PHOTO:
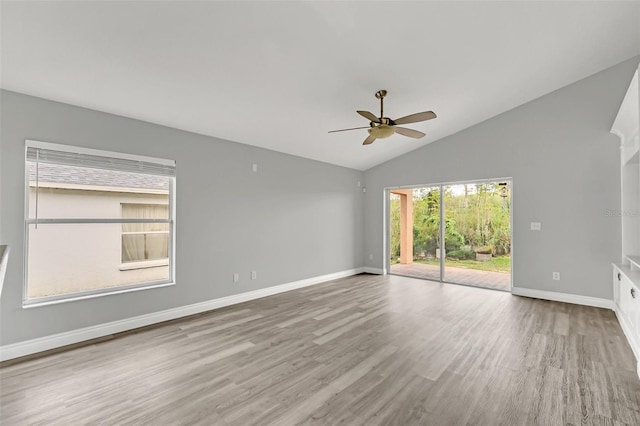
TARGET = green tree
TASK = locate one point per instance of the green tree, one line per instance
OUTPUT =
(452, 238)
(426, 221)
(476, 215)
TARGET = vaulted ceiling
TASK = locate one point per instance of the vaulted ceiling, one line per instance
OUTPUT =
(279, 75)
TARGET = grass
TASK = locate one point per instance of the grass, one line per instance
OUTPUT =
(496, 264)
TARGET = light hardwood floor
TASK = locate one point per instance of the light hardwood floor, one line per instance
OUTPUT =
(363, 350)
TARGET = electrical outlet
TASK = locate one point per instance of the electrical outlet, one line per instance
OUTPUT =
(556, 276)
(254, 275)
(370, 257)
(536, 226)
(236, 277)
(254, 167)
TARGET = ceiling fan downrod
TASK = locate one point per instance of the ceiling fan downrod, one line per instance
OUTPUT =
(380, 94)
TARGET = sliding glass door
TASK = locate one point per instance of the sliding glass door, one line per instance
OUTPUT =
(458, 233)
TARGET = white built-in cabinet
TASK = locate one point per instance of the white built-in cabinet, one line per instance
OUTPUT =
(626, 275)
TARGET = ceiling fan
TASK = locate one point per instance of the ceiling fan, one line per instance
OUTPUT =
(383, 127)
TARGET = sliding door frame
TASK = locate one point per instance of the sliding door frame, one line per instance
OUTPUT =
(387, 221)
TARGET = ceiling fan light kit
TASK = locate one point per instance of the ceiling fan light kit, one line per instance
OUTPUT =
(383, 127)
(382, 131)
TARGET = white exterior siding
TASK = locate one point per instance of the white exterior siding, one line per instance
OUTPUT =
(67, 258)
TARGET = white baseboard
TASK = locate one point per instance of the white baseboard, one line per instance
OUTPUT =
(563, 297)
(16, 350)
(375, 271)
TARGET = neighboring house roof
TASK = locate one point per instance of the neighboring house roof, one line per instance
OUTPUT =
(62, 176)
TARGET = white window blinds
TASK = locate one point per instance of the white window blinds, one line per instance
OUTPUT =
(75, 156)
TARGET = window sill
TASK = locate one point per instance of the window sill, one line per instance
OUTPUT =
(143, 264)
(81, 296)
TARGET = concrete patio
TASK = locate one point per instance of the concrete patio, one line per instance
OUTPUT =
(472, 277)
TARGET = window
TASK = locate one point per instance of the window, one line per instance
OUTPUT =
(97, 222)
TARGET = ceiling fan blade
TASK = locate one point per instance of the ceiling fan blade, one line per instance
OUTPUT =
(353, 128)
(414, 118)
(409, 132)
(369, 140)
(369, 116)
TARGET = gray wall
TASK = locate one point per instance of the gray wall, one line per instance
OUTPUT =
(566, 174)
(292, 220)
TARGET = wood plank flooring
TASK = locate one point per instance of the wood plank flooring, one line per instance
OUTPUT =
(364, 350)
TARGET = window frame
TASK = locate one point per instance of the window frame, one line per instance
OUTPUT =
(89, 294)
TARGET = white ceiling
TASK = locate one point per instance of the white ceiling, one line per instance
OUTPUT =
(280, 75)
